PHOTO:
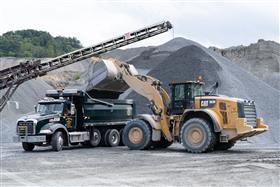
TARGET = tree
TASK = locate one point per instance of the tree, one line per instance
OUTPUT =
(32, 43)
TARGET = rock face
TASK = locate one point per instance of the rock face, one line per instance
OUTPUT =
(261, 58)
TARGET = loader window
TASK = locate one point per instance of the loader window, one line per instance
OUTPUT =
(197, 90)
(179, 92)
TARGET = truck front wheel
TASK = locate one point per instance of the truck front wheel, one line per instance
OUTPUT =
(28, 146)
(57, 141)
(137, 135)
(197, 136)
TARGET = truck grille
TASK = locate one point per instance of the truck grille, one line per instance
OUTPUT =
(247, 110)
(25, 128)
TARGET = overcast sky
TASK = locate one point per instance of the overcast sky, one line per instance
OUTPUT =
(219, 23)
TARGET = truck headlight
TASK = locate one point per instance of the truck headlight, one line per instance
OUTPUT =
(45, 131)
(54, 119)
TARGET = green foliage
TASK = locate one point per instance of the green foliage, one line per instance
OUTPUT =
(32, 43)
(77, 76)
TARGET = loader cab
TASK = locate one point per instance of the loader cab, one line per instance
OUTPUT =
(182, 95)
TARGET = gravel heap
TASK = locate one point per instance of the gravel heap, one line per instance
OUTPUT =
(26, 96)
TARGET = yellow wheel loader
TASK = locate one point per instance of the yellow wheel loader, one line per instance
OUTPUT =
(201, 122)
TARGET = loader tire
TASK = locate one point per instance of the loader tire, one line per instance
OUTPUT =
(28, 146)
(224, 146)
(197, 136)
(137, 135)
(57, 141)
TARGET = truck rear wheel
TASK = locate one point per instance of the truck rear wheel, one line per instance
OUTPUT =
(137, 135)
(57, 141)
(224, 146)
(28, 146)
(95, 138)
(197, 136)
(113, 138)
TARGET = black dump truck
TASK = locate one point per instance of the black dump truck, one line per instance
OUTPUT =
(69, 117)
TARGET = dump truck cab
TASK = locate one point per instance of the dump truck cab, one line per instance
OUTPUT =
(60, 110)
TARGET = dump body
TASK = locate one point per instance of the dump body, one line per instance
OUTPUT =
(121, 111)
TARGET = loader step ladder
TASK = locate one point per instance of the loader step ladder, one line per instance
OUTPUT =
(12, 77)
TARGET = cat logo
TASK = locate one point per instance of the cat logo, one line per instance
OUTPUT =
(68, 123)
(207, 103)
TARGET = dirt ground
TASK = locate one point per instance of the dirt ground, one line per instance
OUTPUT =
(241, 166)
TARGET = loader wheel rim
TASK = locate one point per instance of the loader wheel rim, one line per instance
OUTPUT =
(195, 135)
(135, 135)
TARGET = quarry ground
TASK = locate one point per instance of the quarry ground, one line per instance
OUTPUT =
(243, 165)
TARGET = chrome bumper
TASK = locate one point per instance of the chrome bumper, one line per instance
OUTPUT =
(30, 139)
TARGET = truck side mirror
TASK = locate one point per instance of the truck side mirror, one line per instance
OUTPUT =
(73, 110)
(35, 108)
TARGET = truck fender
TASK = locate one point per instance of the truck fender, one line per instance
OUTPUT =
(202, 113)
(156, 129)
(53, 127)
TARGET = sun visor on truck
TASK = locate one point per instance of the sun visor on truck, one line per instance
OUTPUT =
(102, 80)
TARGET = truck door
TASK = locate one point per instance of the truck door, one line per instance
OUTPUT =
(70, 117)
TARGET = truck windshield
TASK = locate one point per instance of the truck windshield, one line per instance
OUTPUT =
(50, 108)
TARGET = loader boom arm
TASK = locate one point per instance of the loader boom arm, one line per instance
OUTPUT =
(149, 88)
